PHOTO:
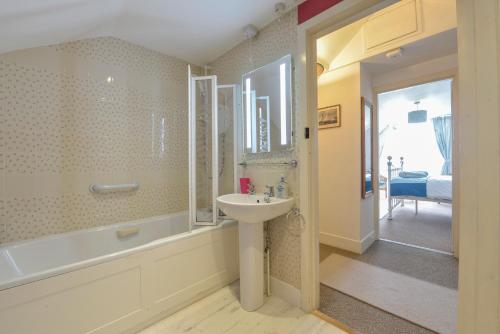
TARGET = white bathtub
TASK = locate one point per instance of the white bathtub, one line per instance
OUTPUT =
(93, 281)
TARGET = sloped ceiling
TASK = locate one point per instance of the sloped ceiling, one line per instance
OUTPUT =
(198, 31)
(330, 46)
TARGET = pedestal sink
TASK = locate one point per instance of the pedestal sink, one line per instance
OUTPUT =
(251, 211)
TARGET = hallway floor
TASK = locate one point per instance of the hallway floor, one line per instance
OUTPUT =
(221, 313)
(396, 287)
(363, 317)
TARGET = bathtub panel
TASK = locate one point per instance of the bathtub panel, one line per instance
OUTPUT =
(206, 261)
(77, 302)
(209, 255)
(125, 294)
(213, 260)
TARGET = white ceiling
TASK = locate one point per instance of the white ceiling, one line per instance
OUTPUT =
(436, 89)
(432, 47)
(198, 31)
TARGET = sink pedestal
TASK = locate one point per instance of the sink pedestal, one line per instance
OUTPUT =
(252, 211)
(251, 237)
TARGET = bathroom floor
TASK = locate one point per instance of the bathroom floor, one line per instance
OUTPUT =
(221, 313)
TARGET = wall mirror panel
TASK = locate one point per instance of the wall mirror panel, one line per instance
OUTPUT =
(267, 107)
(366, 148)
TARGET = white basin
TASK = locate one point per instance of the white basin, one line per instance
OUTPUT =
(252, 208)
(251, 211)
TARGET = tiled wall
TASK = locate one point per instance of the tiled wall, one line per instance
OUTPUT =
(94, 111)
(276, 40)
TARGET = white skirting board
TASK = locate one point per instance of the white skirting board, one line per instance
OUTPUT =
(352, 245)
(285, 291)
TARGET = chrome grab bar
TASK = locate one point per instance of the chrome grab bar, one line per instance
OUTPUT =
(107, 188)
(291, 163)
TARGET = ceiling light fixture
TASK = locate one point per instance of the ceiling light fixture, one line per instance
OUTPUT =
(319, 69)
(393, 54)
(417, 116)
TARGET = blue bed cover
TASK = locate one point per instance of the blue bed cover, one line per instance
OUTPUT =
(401, 186)
(368, 185)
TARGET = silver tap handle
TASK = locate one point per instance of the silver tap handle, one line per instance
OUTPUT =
(270, 190)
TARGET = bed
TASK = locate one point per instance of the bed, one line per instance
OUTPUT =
(428, 188)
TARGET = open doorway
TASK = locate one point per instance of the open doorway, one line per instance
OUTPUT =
(368, 283)
(415, 127)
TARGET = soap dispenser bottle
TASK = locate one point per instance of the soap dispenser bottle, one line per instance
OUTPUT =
(282, 188)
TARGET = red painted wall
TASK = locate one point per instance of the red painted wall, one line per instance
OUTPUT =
(311, 8)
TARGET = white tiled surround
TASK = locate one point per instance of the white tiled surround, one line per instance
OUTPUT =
(94, 111)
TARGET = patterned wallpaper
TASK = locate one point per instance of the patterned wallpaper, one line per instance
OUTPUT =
(274, 41)
(106, 111)
(94, 111)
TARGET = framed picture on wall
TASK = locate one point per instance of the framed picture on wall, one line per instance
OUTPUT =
(329, 117)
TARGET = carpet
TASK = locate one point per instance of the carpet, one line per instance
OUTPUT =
(429, 305)
(430, 228)
(362, 317)
(433, 267)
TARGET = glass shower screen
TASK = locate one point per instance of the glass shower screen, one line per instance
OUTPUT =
(203, 150)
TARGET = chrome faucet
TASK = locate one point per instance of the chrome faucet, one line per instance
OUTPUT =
(268, 193)
(251, 189)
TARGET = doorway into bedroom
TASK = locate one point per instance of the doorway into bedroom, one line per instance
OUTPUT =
(415, 141)
(381, 273)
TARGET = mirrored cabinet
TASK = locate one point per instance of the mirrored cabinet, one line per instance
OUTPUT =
(267, 108)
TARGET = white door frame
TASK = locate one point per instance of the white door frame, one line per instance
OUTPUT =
(308, 32)
(478, 139)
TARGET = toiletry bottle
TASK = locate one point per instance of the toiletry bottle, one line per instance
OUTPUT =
(244, 183)
(282, 188)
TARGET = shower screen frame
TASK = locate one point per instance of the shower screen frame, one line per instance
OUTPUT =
(193, 80)
(237, 144)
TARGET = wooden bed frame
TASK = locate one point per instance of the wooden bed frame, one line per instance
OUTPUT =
(395, 201)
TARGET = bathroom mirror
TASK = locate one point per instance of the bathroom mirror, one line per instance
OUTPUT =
(267, 107)
(366, 148)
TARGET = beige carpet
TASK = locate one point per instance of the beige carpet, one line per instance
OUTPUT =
(429, 305)
(430, 228)
(429, 266)
(364, 318)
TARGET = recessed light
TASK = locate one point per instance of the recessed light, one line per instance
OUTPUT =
(396, 53)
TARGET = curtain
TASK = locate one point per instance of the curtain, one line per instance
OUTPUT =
(443, 128)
